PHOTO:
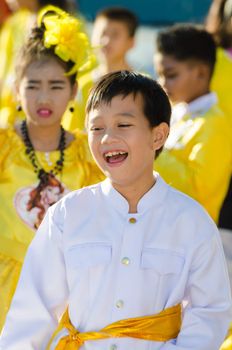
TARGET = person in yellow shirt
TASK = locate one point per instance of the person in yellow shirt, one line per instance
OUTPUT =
(113, 36)
(198, 156)
(40, 161)
(219, 24)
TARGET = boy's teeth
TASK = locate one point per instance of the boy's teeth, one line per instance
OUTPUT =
(110, 154)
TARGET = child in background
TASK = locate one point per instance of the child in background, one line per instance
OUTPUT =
(113, 36)
(219, 23)
(40, 161)
(137, 264)
(198, 157)
(12, 36)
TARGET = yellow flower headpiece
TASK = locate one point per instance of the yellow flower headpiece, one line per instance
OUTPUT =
(63, 32)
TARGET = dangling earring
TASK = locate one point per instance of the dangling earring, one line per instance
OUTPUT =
(71, 109)
(19, 108)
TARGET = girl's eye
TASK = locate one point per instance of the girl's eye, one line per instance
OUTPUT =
(94, 128)
(31, 87)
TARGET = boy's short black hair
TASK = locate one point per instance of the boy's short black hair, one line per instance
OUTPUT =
(157, 108)
(121, 14)
(188, 42)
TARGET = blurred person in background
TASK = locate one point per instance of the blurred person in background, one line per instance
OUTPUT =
(198, 155)
(12, 35)
(219, 23)
(40, 161)
(113, 36)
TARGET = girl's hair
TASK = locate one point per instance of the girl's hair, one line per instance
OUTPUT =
(219, 22)
(34, 50)
(58, 36)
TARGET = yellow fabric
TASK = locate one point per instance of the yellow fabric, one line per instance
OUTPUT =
(12, 36)
(159, 327)
(222, 82)
(227, 344)
(64, 33)
(17, 179)
(200, 163)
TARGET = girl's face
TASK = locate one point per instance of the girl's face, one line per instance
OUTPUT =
(44, 92)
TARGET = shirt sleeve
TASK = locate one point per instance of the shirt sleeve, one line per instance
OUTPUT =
(43, 274)
(207, 315)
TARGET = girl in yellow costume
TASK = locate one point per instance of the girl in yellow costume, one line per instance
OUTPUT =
(40, 161)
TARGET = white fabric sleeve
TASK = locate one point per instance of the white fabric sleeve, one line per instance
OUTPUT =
(41, 295)
(208, 313)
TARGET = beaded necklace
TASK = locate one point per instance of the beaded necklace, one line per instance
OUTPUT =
(43, 175)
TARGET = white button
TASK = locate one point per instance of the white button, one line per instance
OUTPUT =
(113, 347)
(125, 261)
(119, 304)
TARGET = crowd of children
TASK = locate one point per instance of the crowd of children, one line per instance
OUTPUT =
(129, 262)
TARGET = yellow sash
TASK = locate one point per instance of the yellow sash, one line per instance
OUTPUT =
(159, 327)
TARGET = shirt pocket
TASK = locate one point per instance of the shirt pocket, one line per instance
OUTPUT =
(162, 269)
(163, 262)
(87, 255)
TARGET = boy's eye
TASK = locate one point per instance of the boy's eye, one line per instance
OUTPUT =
(57, 87)
(31, 87)
(171, 76)
(124, 125)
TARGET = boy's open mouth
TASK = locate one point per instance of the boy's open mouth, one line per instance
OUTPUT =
(115, 157)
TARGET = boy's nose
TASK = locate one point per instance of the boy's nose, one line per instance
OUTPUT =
(109, 137)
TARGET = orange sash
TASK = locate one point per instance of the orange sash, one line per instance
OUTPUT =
(159, 327)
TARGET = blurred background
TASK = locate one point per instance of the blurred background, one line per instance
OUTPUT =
(153, 15)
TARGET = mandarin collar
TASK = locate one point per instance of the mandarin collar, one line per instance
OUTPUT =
(153, 198)
(195, 108)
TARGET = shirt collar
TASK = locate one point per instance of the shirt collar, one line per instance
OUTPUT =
(154, 197)
(195, 108)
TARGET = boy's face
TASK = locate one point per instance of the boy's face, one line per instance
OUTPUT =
(113, 38)
(180, 79)
(122, 142)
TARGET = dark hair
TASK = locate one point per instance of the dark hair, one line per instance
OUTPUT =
(65, 5)
(34, 50)
(157, 108)
(218, 22)
(121, 14)
(188, 42)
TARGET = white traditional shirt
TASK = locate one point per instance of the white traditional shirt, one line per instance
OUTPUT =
(109, 265)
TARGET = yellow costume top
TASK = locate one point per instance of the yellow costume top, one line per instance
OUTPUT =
(198, 158)
(23, 206)
(222, 81)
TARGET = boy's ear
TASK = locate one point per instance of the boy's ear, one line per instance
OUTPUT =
(160, 134)
(203, 71)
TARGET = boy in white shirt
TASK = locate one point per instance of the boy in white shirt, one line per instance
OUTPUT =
(118, 253)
